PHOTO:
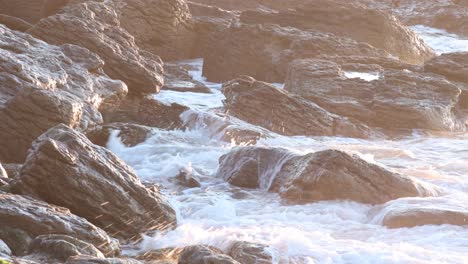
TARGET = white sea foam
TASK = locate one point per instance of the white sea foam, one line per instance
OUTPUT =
(323, 232)
(440, 40)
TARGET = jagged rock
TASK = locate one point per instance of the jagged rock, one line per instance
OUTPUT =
(96, 26)
(15, 23)
(204, 254)
(177, 78)
(335, 175)
(44, 85)
(251, 167)
(257, 103)
(61, 247)
(396, 100)
(147, 112)
(130, 134)
(65, 168)
(250, 253)
(353, 21)
(23, 217)
(454, 66)
(83, 259)
(187, 179)
(413, 212)
(160, 255)
(264, 51)
(324, 175)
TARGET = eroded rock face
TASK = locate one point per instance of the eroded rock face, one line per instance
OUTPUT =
(14, 23)
(204, 254)
(42, 85)
(398, 99)
(250, 253)
(353, 21)
(324, 175)
(61, 247)
(96, 26)
(23, 217)
(413, 212)
(264, 51)
(264, 105)
(336, 175)
(99, 186)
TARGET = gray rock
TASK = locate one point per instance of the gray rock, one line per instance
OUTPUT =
(96, 26)
(44, 85)
(23, 217)
(64, 168)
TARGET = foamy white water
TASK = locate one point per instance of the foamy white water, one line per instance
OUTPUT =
(323, 232)
(440, 40)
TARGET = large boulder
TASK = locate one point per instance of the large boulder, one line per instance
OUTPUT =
(250, 253)
(43, 85)
(24, 218)
(64, 168)
(357, 22)
(204, 254)
(324, 175)
(96, 26)
(264, 51)
(395, 100)
(277, 110)
(411, 212)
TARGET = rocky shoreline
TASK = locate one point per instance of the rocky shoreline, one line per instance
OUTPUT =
(75, 74)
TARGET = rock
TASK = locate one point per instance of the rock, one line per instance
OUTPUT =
(61, 247)
(130, 134)
(44, 85)
(257, 103)
(4, 249)
(264, 51)
(147, 112)
(204, 254)
(177, 78)
(162, 27)
(187, 179)
(23, 217)
(15, 23)
(11, 169)
(397, 100)
(30, 10)
(454, 66)
(83, 259)
(250, 253)
(353, 21)
(251, 167)
(96, 26)
(99, 186)
(413, 212)
(253, 4)
(335, 175)
(154, 256)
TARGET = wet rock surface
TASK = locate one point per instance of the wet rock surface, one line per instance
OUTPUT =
(395, 100)
(24, 218)
(375, 27)
(100, 187)
(250, 253)
(264, 105)
(264, 51)
(130, 134)
(96, 26)
(44, 85)
(83, 259)
(204, 254)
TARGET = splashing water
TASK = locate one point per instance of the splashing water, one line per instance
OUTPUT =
(322, 232)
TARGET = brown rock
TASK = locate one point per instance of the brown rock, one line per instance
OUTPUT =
(257, 103)
(44, 85)
(130, 134)
(31, 10)
(65, 168)
(23, 217)
(204, 254)
(250, 253)
(397, 100)
(15, 23)
(353, 21)
(84, 259)
(96, 26)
